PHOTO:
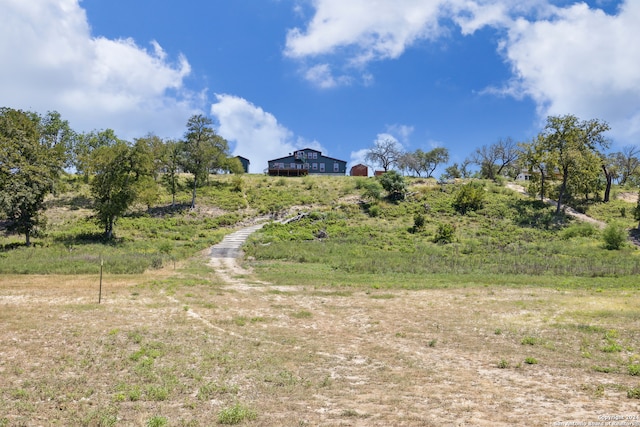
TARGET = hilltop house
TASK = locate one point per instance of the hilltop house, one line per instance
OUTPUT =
(306, 161)
(245, 163)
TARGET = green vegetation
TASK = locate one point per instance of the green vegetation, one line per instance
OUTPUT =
(236, 414)
(509, 239)
(422, 241)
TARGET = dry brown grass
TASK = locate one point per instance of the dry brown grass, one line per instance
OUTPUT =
(171, 346)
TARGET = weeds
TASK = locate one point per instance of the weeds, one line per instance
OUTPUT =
(236, 414)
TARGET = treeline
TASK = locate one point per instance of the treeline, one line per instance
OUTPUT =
(35, 150)
(567, 160)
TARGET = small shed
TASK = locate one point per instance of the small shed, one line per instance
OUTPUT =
(359, 170)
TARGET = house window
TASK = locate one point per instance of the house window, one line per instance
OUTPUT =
(321, 167)
(336, 167)
(306, 165)
(315, 166)
(293, 165)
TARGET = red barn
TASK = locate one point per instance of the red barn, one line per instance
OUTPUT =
(359, 170)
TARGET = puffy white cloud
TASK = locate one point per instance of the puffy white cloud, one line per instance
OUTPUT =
(569, 59)
(581, 61)
(256, 133)
(403, 131)
(360, 31)
(52, 62)
(380, 29)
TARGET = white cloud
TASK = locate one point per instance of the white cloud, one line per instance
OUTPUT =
(583, 62)
(52, 62)
(380, 29)
(571, 59)
(257, 134)
(403, 131)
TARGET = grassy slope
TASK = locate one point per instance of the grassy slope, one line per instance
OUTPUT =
(511, 240)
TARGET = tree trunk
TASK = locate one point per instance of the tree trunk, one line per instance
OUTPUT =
(193, 196)
(541, 184)
(108, 229)
(565, 177)
(607, 190)
(27, 235)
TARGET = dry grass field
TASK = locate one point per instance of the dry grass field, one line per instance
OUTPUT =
(190, 347)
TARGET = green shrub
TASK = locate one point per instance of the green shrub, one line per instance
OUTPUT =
(372, 189)
(418, 222)
(633, 393)
(394, 185)
(470, 197)
(444, 234)
(157, 421)
(614, 236)
(583, 229)
(634, 370)
(236, 414)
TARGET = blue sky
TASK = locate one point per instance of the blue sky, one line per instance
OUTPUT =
(335, 75)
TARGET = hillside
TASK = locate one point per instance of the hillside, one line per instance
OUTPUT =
(351, 231)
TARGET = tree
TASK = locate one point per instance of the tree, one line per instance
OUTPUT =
(470, 197)
(533, 157)
(394, 185)
(569, 144)
(29, 166)
(385, 152)
(203, 151)
(610, 169)
(432, 159)
(84, 146)
(410, 162)
(57, 135)
(113, 186)
(452, 172)
(636, 211)
(627, 163)
(494, 158)
(171, 159)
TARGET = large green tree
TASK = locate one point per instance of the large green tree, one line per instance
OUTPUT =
(113, 185)
(31, 158)
(85, 144)
(204, 151)
(570, 145)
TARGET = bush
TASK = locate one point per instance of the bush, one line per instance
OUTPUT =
(583, 229)
(444, 234)
(614, 236)
(418, 222)
(236, 414)
(372, 190)
(394, 185)
(470, 197)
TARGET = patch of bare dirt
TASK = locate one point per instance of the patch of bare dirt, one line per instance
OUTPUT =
(627, 196)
